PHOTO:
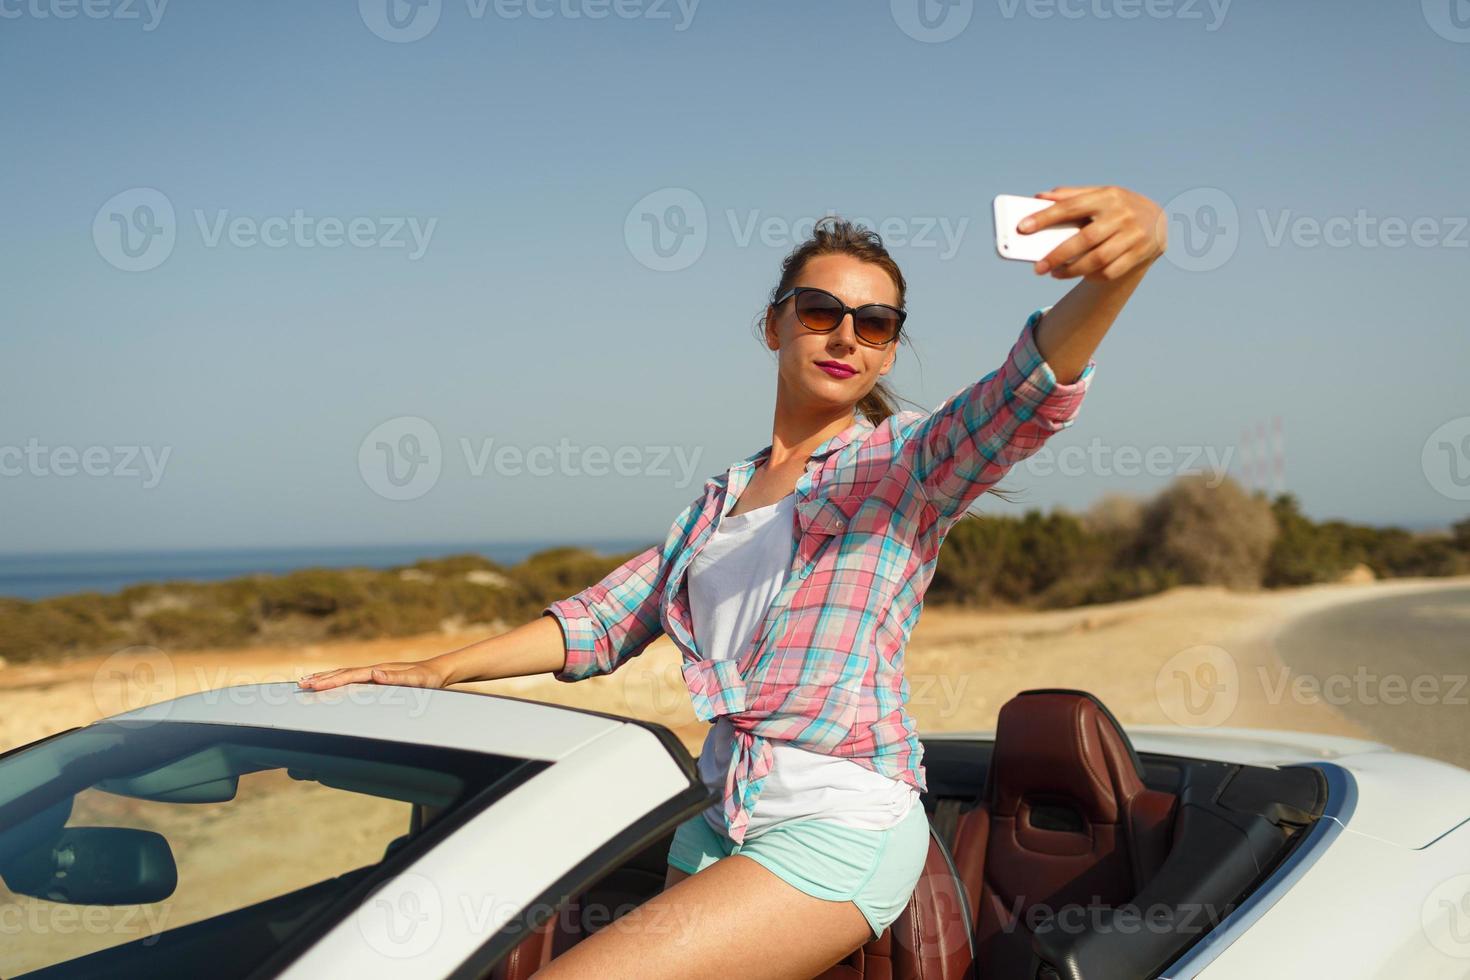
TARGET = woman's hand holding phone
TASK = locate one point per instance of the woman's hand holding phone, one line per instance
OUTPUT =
(1117, 230)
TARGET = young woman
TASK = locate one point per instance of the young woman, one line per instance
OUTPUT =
(790, 587)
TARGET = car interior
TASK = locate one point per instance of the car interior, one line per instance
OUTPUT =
(1057, 852)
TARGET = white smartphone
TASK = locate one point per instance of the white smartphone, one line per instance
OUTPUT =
(1012, 244)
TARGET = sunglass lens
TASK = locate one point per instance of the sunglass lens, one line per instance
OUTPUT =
(818, 310)
(876, 326)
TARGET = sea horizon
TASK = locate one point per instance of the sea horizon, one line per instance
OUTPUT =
(42, 575)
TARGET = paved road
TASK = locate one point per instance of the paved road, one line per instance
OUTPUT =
(1399, 666)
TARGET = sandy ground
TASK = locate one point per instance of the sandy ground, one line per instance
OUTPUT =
(1196, 656)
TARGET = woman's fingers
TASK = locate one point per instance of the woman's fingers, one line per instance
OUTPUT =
(1062, 193)
(326, 679)
(1076, 207)
(1096, 259)
(1090, 237)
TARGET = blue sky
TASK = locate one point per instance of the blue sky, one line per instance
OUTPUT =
(378, 239)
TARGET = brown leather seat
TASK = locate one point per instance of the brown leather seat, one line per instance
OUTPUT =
(530, 954)
(931, 938)
(1065, 824)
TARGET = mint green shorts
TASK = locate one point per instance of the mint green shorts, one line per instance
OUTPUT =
(877, 870)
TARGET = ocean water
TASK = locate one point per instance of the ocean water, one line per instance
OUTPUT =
(36, 576)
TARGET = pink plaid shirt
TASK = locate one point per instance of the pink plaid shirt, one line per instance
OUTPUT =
(825, 668)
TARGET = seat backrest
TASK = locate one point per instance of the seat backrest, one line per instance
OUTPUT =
(1065, 824)
(529, 955)
(932, 937)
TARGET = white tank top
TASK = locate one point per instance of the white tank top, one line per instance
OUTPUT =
(732, 581)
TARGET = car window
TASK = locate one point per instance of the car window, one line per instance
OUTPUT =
(159, 847)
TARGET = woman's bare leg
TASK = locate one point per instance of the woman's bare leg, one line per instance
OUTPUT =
(674, 876)
(735, 918)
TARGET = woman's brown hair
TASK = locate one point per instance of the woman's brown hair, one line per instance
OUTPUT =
(832, 235)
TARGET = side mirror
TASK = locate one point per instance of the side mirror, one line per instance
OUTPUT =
(96, 866)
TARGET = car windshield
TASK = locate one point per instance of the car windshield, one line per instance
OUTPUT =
(171, 848)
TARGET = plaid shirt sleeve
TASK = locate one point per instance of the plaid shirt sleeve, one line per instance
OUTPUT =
(613, 620)
(966, 445)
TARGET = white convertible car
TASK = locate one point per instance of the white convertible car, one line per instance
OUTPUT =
(265, 831)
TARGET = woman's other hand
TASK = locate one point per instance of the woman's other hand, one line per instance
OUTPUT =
(407, 673)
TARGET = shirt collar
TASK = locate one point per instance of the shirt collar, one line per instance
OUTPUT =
(854, 432)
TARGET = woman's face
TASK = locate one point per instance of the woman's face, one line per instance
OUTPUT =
(801, 378)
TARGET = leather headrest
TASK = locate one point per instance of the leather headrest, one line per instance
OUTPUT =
(1065, 746)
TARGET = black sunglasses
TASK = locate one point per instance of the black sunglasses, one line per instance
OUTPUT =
(876, 324)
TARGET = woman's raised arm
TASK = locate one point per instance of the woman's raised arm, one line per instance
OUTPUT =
(1124, 233)
(969, 443)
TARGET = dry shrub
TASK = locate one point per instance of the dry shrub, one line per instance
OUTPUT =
(1209, 535)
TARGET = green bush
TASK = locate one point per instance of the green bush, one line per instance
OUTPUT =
(209, 626)
(1304, 552)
